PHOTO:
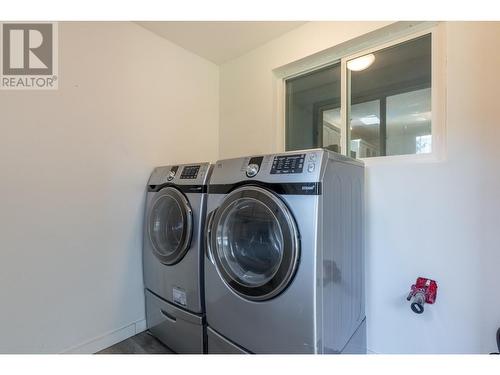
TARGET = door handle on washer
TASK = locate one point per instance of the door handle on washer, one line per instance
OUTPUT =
(168, 316)
(208, 235)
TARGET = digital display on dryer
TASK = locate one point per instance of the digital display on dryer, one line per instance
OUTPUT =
(286, 164)
(190, 172)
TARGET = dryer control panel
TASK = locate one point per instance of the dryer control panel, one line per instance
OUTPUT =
(283, 164)
(297, 166)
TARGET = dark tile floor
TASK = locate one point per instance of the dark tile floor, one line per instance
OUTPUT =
(142, 343)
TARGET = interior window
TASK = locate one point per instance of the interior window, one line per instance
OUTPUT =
(313, 110)
(390, 96)
(388, 103)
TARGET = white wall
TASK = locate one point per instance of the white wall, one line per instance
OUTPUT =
(74, 165)
(432, 219)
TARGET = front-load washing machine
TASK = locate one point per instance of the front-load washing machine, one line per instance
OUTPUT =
(173, 255)
(284, 271)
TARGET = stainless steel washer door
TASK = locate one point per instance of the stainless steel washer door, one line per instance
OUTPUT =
(170, 225)
(254, 243)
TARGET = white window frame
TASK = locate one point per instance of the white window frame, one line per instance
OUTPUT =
(438, 92)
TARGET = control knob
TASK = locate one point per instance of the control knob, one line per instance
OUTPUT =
(252, 170)
(171, 175)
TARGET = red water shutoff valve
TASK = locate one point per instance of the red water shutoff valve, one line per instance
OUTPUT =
(422, 292)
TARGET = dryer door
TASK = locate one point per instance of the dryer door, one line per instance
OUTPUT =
(254, 243)
(170, 225)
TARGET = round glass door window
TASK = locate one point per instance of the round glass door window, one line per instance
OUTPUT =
(254, 243)
(170, 225)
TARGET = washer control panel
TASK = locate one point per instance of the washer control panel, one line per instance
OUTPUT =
(181, 174)
(190, 172)
(287, 164)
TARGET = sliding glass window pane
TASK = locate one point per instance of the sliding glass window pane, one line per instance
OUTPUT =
(313, 110)
(332, 125)
(409, 123)
(390, 96)
(365, 129)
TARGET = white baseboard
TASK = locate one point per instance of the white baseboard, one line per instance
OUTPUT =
(114, 337)
(108, 339)
(140, 326)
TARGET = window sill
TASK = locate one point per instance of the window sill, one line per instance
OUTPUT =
(403, 159)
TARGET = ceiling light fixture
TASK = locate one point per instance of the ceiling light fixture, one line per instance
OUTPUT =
(361, 63)
(370, 120)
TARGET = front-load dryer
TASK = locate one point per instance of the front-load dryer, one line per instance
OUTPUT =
(173, 255)
(284, 269)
